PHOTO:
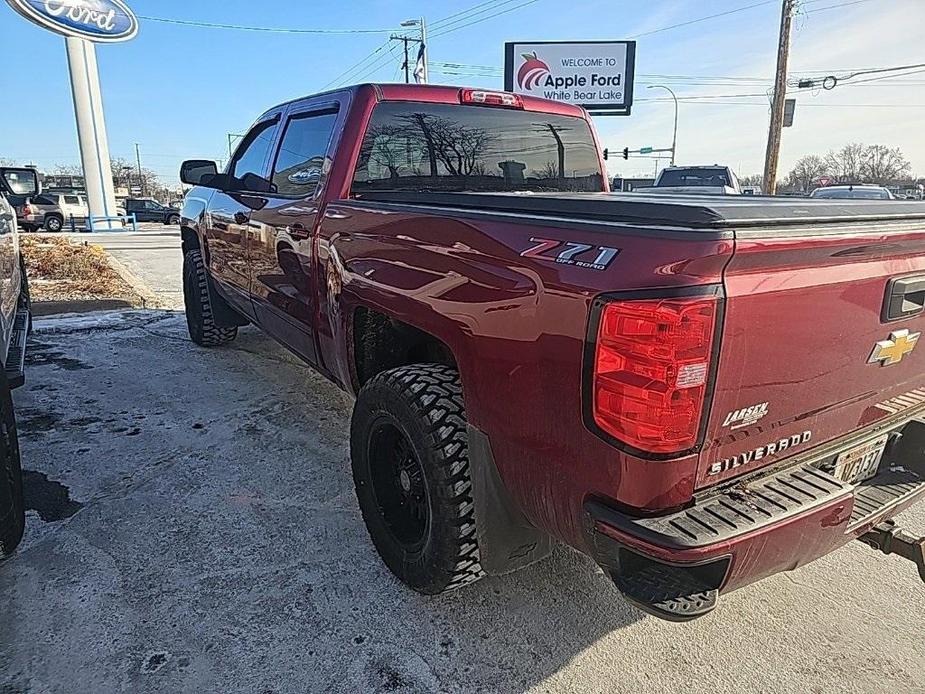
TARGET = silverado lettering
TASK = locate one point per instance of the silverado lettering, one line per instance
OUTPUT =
(760, 452)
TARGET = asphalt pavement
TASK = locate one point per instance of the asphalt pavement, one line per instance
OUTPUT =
(193, 528)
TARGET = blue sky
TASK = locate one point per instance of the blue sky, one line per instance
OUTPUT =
(178, 90)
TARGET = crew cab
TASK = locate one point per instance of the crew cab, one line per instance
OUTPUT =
(697, 392)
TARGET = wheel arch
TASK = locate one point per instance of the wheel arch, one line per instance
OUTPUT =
(379, 342)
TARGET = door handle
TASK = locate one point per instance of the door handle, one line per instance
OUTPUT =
(905, 297)
(241, 218)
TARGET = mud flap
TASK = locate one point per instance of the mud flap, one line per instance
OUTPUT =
(507, 540)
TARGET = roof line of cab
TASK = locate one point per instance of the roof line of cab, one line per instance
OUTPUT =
(434, 93)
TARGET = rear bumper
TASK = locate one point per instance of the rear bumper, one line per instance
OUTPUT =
(775, 522)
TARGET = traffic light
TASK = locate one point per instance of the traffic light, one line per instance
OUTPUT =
(626, 152)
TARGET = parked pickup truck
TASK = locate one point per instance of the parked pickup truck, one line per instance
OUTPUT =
(697, 393)
(147, 210)
(695, 180)
(15, 323)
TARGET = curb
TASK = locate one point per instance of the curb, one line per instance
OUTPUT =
(149, 299)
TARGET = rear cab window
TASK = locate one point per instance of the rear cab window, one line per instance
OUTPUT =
(449, 147)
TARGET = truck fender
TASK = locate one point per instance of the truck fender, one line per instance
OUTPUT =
(507, 540)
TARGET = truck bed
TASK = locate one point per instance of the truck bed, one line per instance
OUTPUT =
(692, 212)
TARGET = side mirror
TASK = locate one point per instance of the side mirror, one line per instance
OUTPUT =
(20, 181)
(198, 172)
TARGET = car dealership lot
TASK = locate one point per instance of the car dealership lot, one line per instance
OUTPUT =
(201, 534)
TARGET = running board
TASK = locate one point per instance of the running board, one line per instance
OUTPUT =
(890, 539)
(16, 355)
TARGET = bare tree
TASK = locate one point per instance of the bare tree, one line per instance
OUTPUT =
(458, 147)
(550, 170)
(847, 164)
(806, 171)
(883, 164)
(753, 180)
(389, 148)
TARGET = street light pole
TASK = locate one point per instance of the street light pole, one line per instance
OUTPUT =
(674, 137)
(426, 52)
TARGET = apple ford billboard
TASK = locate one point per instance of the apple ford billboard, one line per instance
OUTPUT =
(595, 74)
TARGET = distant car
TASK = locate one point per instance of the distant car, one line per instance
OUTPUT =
(147, 210)
(859, 192)
(695, 180)
(51, 211)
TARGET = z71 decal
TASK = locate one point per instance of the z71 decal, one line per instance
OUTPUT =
(594, 258)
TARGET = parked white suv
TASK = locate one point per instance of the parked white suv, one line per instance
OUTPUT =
(53, 211)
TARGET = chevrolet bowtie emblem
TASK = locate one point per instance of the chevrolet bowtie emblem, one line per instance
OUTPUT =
(892, 351)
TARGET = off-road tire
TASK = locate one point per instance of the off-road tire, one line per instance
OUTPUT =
(54, 223)
(13, 523)
(425, 403)
(198, 296)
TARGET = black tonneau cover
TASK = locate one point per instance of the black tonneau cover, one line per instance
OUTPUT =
(686, 211)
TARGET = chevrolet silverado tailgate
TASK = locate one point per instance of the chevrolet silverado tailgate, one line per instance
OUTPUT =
(820, 334)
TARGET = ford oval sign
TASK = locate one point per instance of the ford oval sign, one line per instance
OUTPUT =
(103, 21)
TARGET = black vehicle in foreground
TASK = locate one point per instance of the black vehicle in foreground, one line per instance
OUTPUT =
(15, 322)
(147, 210)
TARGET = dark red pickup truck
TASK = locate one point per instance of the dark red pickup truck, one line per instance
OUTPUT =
(696, 392)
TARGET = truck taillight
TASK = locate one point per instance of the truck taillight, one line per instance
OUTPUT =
(652, 361)
(486, 98)
(27, 209)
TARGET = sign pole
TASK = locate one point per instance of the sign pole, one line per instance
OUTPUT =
(91, 130)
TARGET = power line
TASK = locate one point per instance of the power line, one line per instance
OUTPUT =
(829, 82)
(468, 13)
(456, 14)
(356, 66)
(275, 30)
(832, 7)
(372, 69)
(703, 19)
(483, 19)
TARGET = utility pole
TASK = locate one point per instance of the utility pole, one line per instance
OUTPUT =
(141, 180)
(404, 40)
(560, 146)
(780, 94)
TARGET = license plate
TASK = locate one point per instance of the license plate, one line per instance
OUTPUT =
(861, 462)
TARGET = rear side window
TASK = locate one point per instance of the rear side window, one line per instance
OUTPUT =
(416, 146)
(44, 200)
(71, 200)
(301, 153)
